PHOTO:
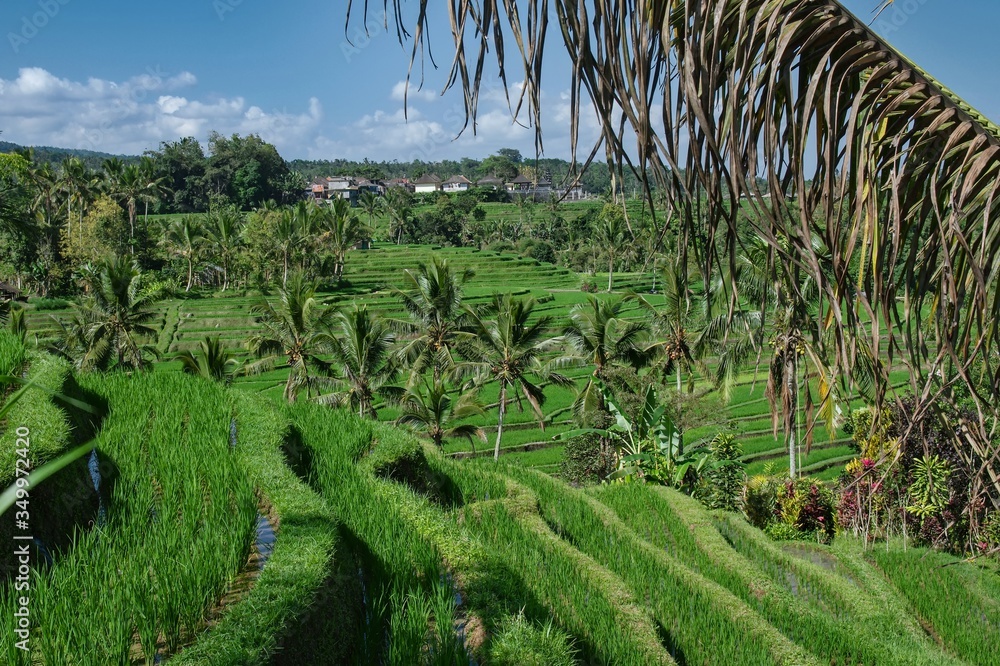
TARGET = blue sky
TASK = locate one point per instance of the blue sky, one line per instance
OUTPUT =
(122, 76)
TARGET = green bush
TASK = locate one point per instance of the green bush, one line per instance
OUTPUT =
(43, 304)
(586, 461)
(518, 642)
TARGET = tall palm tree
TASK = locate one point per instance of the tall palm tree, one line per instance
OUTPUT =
(156, 184)
(294, 330)
(430, 410)
(293, 229)
(115, 321)
(433, 299)
(370, 204)
(184, 238)
(399, 208)
(678, 324)
(340, 230)
(130, 185)
(791, 325)
(213, 361)
(79, 184)
(360, 346)
(610, 235)
(598, 335)
(224, 234)
(508, 349)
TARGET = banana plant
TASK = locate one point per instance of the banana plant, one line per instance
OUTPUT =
(650, 448)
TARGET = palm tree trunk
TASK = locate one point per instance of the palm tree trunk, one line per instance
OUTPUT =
(678, 377)
(502, 411)
(190, 273)
(791, 370)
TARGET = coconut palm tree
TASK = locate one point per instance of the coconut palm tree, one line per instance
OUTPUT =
(156, 184)
(294, 330)
(78, 183)
(130, 185)
(430, 410)
(293, 229)
(340, 230)
(398, 205)
(433, 299)
(508, 349)
(114, 323)
(184, 237)
(213, 361)
(678, 324)
(370, 203)
(610, 235)
(360, 346)
(598, 335)
(224, 235)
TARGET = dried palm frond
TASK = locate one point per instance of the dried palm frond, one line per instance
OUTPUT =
(792, 117)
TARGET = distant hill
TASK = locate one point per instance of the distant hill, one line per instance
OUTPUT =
(91, 158)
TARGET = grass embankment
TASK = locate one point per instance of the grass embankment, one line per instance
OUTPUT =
(276, 618)
(814, 608)
(177, 521)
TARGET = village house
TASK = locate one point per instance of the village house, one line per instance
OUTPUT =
(426, 184)
(457, 183)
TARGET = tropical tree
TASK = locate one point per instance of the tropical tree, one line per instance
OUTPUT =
(610, 236)
(78, 183)
(791, 325)
(599, 336)
(433, 299)
(156, 186)
(677, 325)
(213, 361)
(292, 230)
(431, 410)
(224, 234)
(294, 330)
(361, 345)
(398, 205)
(184, 237)
(131, 185)
(370, 203)
(508, 349)
(340, 230)
(115, 321)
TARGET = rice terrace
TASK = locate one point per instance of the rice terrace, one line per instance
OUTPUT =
(718, 386)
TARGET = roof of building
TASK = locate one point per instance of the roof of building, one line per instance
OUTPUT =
(10, 290)
(428, 179)
(521, 180)
(457, 179)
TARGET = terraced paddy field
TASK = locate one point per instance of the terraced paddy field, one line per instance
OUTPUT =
(371, 276)
(228, 528)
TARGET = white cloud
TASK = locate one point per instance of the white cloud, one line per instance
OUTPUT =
(38, 108)
(412, 93)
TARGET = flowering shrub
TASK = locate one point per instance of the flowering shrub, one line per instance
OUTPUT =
(799, 509)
